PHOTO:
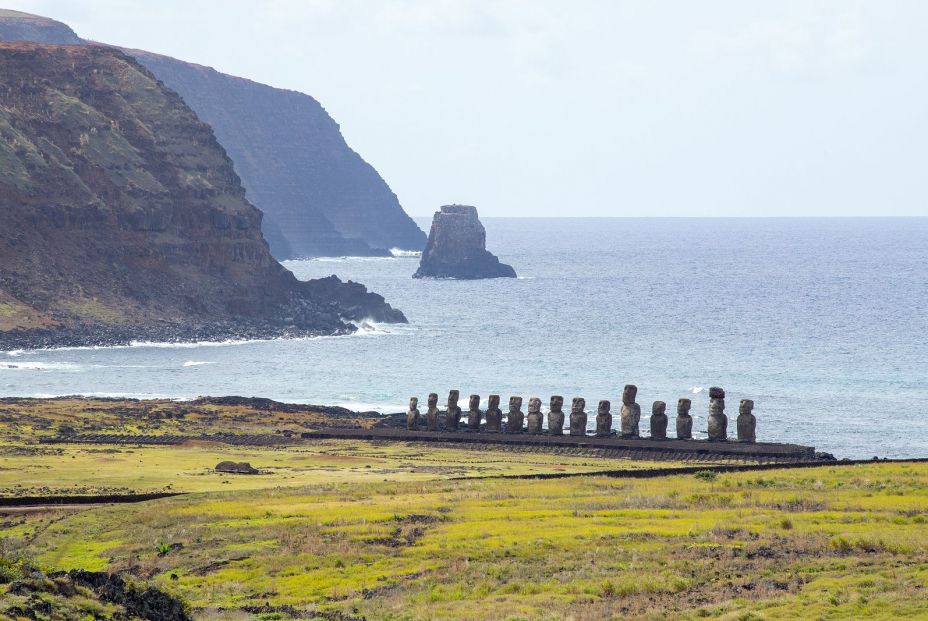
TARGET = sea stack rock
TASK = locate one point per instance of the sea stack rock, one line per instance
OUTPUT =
(457, 248)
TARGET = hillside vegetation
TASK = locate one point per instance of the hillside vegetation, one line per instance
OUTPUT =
(342, 529)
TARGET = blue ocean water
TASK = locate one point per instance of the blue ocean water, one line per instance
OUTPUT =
(822, 322)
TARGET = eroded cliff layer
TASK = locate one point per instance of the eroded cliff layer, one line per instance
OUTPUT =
(121, 216)
(294, 163)
(319, 197)
(18, 26)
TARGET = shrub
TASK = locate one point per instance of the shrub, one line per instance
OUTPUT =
(706, 475)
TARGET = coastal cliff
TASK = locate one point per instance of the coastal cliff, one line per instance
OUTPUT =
(121, 217)
(18, 26)
(457, 248)
(319, 197)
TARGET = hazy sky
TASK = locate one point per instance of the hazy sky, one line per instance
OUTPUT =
(599, 108)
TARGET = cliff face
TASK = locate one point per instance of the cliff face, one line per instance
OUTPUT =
(319, 197)
(16, 26)
(457, 248)
(121, 216)
(294, 163)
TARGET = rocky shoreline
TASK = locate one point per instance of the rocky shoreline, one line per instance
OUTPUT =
(114, 336)
(299, 317)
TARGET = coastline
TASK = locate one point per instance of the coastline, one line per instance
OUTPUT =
(120, 336)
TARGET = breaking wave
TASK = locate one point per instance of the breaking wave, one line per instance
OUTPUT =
(400, 253)
(41, 366)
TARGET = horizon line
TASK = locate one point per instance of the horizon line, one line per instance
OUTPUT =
(854, 217)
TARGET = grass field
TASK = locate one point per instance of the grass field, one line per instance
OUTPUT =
(386, 532)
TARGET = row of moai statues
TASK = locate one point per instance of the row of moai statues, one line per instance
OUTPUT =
(629, 416)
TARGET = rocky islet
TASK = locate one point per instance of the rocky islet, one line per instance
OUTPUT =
(457, 248)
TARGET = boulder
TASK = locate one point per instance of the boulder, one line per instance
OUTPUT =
(233, 467)
(457, 248)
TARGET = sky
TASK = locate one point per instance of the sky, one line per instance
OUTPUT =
(588, 107)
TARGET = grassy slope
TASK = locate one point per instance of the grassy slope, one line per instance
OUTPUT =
(382, 530)
(831, 543)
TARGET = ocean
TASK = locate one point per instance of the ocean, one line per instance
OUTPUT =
(822, 322)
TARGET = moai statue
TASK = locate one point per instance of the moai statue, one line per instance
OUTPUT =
(659, 421)
(747, 424)
(684, 420)
(631, 412)
(718, 422)
(453, 415)
(603, 419)
(556, 416)
(412, 415)
(494, 414)
(432, 414)
(474, 415)
(578, 417)
(515, 420)
(535, 417)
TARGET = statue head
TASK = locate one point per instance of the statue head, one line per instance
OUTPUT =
(557, 402)
(433, 399)
(474, 402)
(515, 404)
(453, 397)
(716, 393)
(578, 405)
(493, 402)
(629, 394)
(683, 407)
(534, 405)
(746, 406)
(659, 408)
(413, 403)
(604, 407)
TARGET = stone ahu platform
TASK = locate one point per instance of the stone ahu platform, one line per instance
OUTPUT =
(478, 426)
(762, 451)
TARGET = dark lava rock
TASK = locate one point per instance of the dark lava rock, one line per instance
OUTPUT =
(457, 248)
(57, 596)
(149, 603)
(232, 467)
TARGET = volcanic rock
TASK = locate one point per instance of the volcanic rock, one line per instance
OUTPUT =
(122, 219)
(457, 248)
(319, 197)
(232, 467)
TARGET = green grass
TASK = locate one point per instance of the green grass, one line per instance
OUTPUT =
(382, 530)
(591, 547)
